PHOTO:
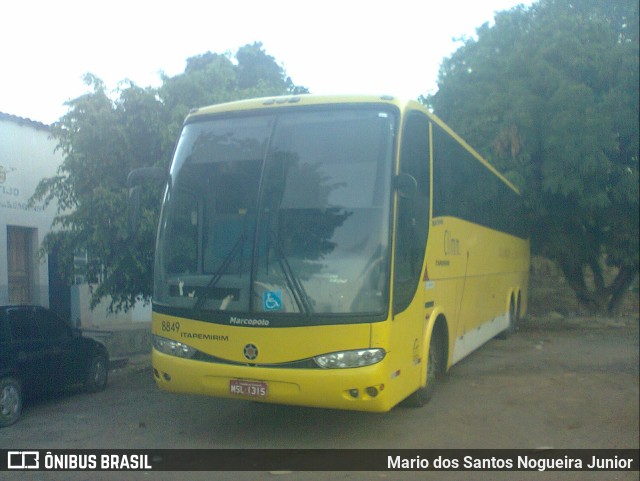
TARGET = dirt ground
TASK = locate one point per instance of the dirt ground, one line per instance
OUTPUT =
(563, 381)
(559, 383)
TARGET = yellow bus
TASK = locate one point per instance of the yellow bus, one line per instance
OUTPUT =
(335, 252)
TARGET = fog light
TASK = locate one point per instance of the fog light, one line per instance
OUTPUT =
(166, 376)
(156, 373)
(372, 391)
(353, 392)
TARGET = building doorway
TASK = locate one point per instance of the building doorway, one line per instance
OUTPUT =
(20, 262)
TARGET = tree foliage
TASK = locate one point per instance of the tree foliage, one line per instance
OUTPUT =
(104, 136)
(549, 94)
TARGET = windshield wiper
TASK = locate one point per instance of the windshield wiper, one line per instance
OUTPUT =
(294, 284)
(217, 275)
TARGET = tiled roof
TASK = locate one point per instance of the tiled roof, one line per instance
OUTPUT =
(22, 121)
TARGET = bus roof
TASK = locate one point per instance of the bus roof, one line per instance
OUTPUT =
(290, 100)
(313, 99)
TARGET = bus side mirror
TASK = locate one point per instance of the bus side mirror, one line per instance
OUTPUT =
(406, 185)
(134, 180)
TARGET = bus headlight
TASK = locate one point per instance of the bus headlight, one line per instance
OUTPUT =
(346, 359)
(173, 348)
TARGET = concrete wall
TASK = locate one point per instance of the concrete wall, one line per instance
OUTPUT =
(82, 315)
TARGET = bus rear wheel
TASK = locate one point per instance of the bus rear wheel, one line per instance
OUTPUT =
(514, 314)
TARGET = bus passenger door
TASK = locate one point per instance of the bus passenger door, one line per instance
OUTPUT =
(411, 229)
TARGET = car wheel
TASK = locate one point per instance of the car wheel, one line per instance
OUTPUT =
(97, 373)
(10, 401)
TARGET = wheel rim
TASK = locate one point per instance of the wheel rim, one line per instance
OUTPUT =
(9, 401)
(99, 372)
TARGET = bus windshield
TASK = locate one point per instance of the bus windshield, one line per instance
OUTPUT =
(284, 212)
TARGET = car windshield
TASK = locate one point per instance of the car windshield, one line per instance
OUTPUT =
(281, 213)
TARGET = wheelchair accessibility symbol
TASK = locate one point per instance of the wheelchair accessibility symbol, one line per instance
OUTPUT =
(272, 300)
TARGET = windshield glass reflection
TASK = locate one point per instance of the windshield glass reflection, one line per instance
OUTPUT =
(282, 214)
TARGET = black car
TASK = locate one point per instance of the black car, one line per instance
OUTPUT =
(41, 352)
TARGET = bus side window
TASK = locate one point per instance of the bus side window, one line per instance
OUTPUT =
(412, 222)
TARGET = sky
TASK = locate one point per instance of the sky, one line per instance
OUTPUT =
(329, 46)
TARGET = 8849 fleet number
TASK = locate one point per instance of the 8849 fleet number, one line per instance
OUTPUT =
(168, 326)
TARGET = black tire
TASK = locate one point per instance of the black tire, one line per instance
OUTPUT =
(424, 394)
(97, 373)
(10, 401)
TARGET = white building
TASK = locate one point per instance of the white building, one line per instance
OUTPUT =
(27, 155)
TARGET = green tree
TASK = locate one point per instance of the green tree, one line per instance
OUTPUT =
(549, 94)
(103, 137)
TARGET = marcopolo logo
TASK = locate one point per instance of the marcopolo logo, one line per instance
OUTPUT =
(23, 460)
(250, 351)
(241, 321)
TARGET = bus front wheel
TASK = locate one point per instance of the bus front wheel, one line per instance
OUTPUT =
(424, 394)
